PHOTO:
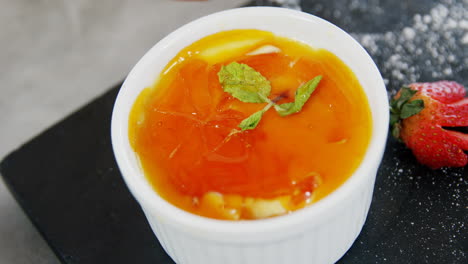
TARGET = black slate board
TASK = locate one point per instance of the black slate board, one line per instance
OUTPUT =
(67, 181)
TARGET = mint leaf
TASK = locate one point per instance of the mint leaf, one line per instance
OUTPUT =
(411, 108)
(282, 108)
(252, 121)
(244, 83)
(301, 97)
(249, 86)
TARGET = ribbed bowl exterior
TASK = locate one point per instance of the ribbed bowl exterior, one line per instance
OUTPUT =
(323, 243)
(321, 233)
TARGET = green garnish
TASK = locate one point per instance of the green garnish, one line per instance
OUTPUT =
(244, 83)
(252, 121)
(302, 95)
(250, 86)
(402, 107)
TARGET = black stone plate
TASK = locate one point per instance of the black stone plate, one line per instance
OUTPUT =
(67, 181)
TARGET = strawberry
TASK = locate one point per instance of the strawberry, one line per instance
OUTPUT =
(419, 114)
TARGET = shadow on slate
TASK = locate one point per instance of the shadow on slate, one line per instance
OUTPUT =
(67, 181)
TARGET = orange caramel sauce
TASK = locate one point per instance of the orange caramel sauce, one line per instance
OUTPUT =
(180, 127)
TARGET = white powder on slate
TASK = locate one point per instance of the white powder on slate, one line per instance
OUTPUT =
(437, 39)
(430, 46)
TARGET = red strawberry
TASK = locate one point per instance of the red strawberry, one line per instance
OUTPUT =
(419, 114)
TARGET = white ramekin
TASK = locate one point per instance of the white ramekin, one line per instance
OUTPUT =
(320, 233)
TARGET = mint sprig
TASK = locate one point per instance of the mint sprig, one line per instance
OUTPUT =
(249, 86)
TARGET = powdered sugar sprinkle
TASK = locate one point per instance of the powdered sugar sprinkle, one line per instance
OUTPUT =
(435, 38)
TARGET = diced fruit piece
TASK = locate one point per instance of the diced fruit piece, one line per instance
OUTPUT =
(263, 208)
(265, 49)
(236, 48)
(213, 204)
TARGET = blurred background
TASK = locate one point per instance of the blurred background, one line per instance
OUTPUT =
(56, 55)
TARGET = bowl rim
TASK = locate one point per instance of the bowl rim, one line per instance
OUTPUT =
(153, 204)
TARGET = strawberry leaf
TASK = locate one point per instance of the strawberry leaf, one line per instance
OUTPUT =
(402, 107)
(411, 108)
(396, 131)
(394, 118)
(405, 95)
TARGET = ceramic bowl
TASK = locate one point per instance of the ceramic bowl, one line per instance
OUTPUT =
(319, 233)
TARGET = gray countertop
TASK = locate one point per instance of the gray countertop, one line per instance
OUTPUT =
(56, 55)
